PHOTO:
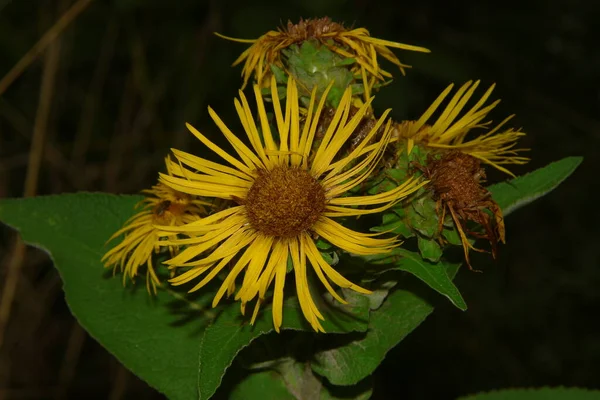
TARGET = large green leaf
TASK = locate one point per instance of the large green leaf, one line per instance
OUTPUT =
(292, 381)
(350, 358)
(304, 384)
(355, 357)
(264, 385)
(175, 344)
(144, 333)
(435, 275)
(521, 191)
(559, 393)
(228, 334)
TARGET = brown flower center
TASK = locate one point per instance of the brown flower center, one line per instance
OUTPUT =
(284, 202)
(313, 28)
(456, 177)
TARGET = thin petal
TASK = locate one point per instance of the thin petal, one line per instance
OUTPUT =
(319, 263)
(309, 309)
(249, 158)
(223, 154)
(351, 241)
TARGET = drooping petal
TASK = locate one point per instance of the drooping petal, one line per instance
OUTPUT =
(352, 241)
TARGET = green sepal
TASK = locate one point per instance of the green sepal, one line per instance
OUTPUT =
(429, 249)
(422, 216)
(322, 244)
(452, 236)
(331, 258)
(280, 76)
(314, 65)
(394, 223)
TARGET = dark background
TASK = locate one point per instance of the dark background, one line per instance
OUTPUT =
(129, 74)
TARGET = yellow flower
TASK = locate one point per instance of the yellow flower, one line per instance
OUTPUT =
(450, 131)
(354, 43)
(162, 206)
(286, 193)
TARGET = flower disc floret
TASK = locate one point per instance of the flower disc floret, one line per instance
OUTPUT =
(284, 202)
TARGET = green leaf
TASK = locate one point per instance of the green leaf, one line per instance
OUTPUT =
(176, 345)
(228, 334)
(300, 379)
(351, 358)
(422, 216)
(436, 276)
(559, 393)
(297, 378)
(521, 191)
(265, 385)
(304, 384)
(377, 297)
(398, 175)
(330, 258)
(429, 249)
(348, 359)
(147, 334)
(394, 223)
(452, 236)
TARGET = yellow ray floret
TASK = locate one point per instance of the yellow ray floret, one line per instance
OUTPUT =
(288, 191)
(456, 125)
(162, 205)
(350, 43)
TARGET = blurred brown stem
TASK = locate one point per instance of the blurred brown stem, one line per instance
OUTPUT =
(51, 62)
(68, 368)
(47, 39)
(120, 386)
(93, 97)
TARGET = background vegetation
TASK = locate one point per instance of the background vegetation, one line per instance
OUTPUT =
(99, 108)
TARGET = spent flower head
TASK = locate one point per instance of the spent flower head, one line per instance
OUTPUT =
(456, 185)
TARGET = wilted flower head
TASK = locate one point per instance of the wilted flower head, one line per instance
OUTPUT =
(456, 184)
